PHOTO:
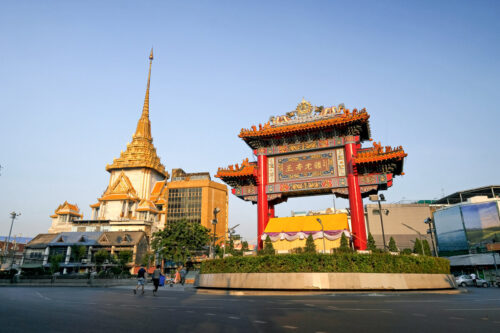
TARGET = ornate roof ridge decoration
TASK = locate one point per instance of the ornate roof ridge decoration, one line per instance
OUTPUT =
(121, 189)
(378, 153)
(247, 169)
(67, 209)
(146, 205)
(303, 118)
(141, 153)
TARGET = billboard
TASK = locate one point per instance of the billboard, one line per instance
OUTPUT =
(482, 223)
(450, 231)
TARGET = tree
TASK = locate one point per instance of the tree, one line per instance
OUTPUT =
(148, 259)
(100, 257)
(230, 248)
(180, 240)
(55, 262)
(244, 246)
(124, 257)
(310, 246)
(268, 247)
(427, 248)
(392, 245)
(371, 243)
(344, 244)
(417, 248)
(78, 252)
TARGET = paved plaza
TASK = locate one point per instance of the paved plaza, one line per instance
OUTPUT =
(181, 309)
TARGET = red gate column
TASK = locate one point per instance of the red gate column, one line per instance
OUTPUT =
(262, 205)
(271, 212)
(355, 202)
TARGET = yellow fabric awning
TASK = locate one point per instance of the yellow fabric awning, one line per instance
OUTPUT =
(307, 223)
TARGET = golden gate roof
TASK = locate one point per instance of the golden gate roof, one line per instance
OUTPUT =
(303, 119)
(247, 169)
(377, 154)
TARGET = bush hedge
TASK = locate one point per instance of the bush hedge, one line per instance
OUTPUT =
(328, 263)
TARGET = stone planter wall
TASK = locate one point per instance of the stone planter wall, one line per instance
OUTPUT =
(326, 281)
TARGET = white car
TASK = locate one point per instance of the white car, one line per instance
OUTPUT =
(466, 280)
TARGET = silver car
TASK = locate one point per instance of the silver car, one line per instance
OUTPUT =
(466, 280)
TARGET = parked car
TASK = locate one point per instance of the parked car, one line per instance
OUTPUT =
(466, 280)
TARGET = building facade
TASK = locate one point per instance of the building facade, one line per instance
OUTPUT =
(139, 195)
(43, 247)
(403, 222)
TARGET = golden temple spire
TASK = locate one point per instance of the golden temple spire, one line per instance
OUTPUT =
(144, 125)
(141, 153)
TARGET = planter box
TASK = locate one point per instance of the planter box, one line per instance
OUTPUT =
(326, 281)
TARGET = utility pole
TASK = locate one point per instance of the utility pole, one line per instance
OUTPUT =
(323, 231)
(431, 232)
(378, 199)
(214, 223)
(13, 216)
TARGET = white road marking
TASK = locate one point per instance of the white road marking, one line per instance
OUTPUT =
(290, 327)
(485, 318)
(42, 296)
(260, 322)
(473, 309)
(233, 317)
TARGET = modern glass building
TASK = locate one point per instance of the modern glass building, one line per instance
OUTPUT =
(467, 227)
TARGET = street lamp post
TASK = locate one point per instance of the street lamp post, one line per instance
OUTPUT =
(419, 236)
(323, 231)
(431, 232)
(379, 198)
(230, 231)
(214, 222)
(13, 216)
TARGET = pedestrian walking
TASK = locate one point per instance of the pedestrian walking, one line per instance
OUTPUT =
(156, 278)
(177, 275)
(474, 279)
(183, 274)
(141, 279)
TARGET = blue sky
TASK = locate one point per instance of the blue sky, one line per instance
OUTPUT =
(73, 76)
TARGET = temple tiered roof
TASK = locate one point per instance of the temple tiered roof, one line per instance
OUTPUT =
(67, 209)
(141, 151)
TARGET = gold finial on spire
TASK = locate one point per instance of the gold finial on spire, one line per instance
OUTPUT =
(144, 126)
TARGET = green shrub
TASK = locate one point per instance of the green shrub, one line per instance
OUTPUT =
(268, 247)
(337, 262)
(407, 251)
(310, 246)
(427, 248)
(344, 244)
(417, 248)
(392, 245)
(371, 243)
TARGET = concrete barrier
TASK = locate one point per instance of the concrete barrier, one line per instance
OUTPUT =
(326, 281)
(67, 282)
